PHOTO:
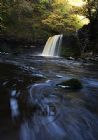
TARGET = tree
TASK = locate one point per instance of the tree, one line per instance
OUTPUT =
(90, 9)
(38, 19)
(61, 18)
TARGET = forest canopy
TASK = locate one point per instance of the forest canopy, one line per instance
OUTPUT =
(39, 19)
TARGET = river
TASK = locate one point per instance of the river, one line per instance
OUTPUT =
(32, 107)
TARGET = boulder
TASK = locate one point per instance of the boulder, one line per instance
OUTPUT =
(71, 84)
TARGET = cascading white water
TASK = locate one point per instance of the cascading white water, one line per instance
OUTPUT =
(52, 47)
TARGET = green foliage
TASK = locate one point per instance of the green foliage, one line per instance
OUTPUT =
(2, 11)
(90, 9)
(60, 20)
(37, 19)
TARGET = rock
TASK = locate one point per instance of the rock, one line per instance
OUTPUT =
(38, 76)
(71, 84)
(70, 58)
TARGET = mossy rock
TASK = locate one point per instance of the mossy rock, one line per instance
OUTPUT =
(71, 84)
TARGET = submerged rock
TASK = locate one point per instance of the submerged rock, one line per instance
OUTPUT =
(71, 84)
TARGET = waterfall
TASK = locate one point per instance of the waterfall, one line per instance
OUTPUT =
(52, 47)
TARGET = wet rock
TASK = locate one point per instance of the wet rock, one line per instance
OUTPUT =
(71, 84)
(70, 58)
(38, 76)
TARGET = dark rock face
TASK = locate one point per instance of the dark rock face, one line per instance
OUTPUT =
(84, 34)
(94, 35)
(70, 46)
(12, 44)
(71, 84)
(88, 35)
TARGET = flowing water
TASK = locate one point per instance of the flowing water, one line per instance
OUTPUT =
(52, 47)
(32, 107)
